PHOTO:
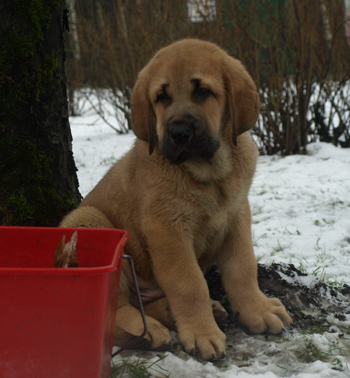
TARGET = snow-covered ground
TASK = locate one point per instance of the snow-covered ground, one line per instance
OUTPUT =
(301, 215)
(301, 211)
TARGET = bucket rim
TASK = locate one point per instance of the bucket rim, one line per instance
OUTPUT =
(78, 271)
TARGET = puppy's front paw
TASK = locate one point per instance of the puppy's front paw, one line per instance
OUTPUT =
(208, 342)
(263, 314)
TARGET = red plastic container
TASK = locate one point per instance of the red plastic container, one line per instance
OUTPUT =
(57, 322)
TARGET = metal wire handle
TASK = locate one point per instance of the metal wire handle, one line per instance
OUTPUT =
(128, 345)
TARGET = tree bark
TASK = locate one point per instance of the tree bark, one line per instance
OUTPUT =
(38, 181)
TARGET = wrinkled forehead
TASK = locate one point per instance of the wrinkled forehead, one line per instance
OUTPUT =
(180, 69)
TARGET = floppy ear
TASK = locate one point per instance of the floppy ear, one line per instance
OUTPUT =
(242, 98)
(142, 114)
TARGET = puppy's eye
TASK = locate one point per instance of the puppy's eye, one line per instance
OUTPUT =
(203, 94)
(164, 99)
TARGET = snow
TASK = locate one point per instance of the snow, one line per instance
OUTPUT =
(301, 211)
(300, 215)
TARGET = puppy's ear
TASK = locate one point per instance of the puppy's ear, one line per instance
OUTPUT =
(142, 114)
(242, 98)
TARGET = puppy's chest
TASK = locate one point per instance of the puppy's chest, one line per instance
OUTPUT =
(212, 213)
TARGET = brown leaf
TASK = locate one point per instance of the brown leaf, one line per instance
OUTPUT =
(66, 254)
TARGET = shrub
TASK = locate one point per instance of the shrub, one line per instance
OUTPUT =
(296, 51)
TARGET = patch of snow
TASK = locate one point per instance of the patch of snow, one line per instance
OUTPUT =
(308, 281)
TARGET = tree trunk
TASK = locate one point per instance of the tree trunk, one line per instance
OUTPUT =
(38, 181)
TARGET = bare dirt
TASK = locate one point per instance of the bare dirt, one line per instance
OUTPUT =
(305, 304)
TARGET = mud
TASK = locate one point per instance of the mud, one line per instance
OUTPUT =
(305, 303)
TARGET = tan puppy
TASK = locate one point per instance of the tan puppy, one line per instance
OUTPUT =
(181, 192)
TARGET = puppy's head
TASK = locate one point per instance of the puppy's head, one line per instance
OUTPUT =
(189, 97)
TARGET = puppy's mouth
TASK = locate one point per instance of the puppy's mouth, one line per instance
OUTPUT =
(183, 156)
(177, 157)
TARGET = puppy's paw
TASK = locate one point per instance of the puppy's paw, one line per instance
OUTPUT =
(157, 336)
(263, 314)
(208, 342)
(219, 312)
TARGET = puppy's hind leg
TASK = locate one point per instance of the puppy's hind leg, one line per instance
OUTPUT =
(86, 216)
(160, 310)
(129, 325)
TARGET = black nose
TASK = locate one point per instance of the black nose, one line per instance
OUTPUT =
(180, 134)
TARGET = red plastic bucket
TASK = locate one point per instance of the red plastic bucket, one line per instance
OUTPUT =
(57, 322)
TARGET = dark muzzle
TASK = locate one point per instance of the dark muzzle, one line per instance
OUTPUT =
(186, 136)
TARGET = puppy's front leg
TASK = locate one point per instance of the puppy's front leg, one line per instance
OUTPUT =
(238, 267)
(179, 275)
